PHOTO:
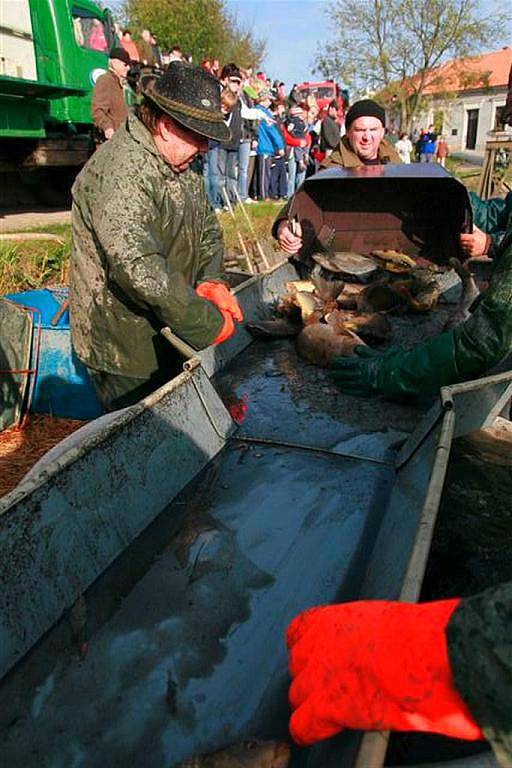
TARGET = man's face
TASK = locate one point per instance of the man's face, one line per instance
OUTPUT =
(365, 135)
(119, 67)
(234, 84)
(178, 145)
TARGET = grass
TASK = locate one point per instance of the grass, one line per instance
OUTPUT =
(30, 264)
(33, 264)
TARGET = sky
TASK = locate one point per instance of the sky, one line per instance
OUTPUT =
(291, 29)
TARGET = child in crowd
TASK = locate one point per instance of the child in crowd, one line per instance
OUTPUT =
(442, 151)
(298, 140)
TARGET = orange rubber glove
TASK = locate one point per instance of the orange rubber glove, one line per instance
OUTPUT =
(374, 665)
(227, 329)
(220, 295)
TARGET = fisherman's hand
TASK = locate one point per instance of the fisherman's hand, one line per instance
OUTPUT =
(109, 132)
(220, 295)
(475, 244)
(374, 665)
(289, 242)
(358, 374)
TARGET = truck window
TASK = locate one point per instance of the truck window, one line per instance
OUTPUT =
(90, 32)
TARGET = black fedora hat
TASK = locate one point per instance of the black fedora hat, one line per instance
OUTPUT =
(190, 96)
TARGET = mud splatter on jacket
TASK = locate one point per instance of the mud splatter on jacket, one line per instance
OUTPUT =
(143, 237)
(480, 652)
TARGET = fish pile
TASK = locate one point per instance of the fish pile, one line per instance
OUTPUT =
(348, 299)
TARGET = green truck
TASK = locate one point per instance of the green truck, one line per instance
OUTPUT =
(51, 54)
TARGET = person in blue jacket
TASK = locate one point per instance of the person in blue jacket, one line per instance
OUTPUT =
(270, 143)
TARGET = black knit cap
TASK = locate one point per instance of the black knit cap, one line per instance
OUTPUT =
(365, 108)
(190, 96)
(121, 54)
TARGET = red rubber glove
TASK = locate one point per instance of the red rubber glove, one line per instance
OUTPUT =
(220, 295)
(374, 665)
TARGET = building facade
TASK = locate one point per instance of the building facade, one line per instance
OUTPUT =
(465, 99)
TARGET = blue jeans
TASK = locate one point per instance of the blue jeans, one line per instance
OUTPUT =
(228, 166)
(243, 165)
(264, 176)
(278, 183)
(294, 179)
(214, 178)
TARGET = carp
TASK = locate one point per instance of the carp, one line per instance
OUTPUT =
(370, 327)
(348, 263)
(416, 294)
(320, 343)
(394, 261)
(278, 328)
(247, 754)
(467, 297)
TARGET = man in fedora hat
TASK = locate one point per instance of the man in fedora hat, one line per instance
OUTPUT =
(147, 249)
(108, 107)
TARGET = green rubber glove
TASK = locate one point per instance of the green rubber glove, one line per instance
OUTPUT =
(397, 372)
(465, 352)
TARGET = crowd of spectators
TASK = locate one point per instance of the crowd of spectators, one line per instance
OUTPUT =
(277, 138)
(422, 146)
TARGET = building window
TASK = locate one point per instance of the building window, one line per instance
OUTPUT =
(472, 128)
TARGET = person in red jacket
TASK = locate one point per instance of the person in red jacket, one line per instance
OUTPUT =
(297, 140)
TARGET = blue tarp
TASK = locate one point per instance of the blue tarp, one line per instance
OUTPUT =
(62, 386)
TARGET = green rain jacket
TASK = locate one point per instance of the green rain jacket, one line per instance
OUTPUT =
(480, 652)
(143, 238)
(493, 217)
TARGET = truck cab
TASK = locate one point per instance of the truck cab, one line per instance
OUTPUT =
(52, 54)
(324, 92)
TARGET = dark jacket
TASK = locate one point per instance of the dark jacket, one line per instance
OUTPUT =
(329, 134)
(143, 237)
(480, 653)
(108, 107)
(235, 126)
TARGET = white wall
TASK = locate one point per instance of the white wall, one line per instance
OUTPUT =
(455, 113)
(17, 55)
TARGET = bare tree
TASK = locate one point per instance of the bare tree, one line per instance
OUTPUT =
(392, 47)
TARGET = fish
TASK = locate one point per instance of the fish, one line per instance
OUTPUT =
(306, 306)
(247, 754)
(379, 297)
(370, 327)
(328, 290)
(394, 261)
(304, 286)
(467, 297)
(420, 293)
(278, 328)
(320, 343)
(349, 263)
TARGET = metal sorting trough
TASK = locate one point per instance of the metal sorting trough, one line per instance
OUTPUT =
(197, 543)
